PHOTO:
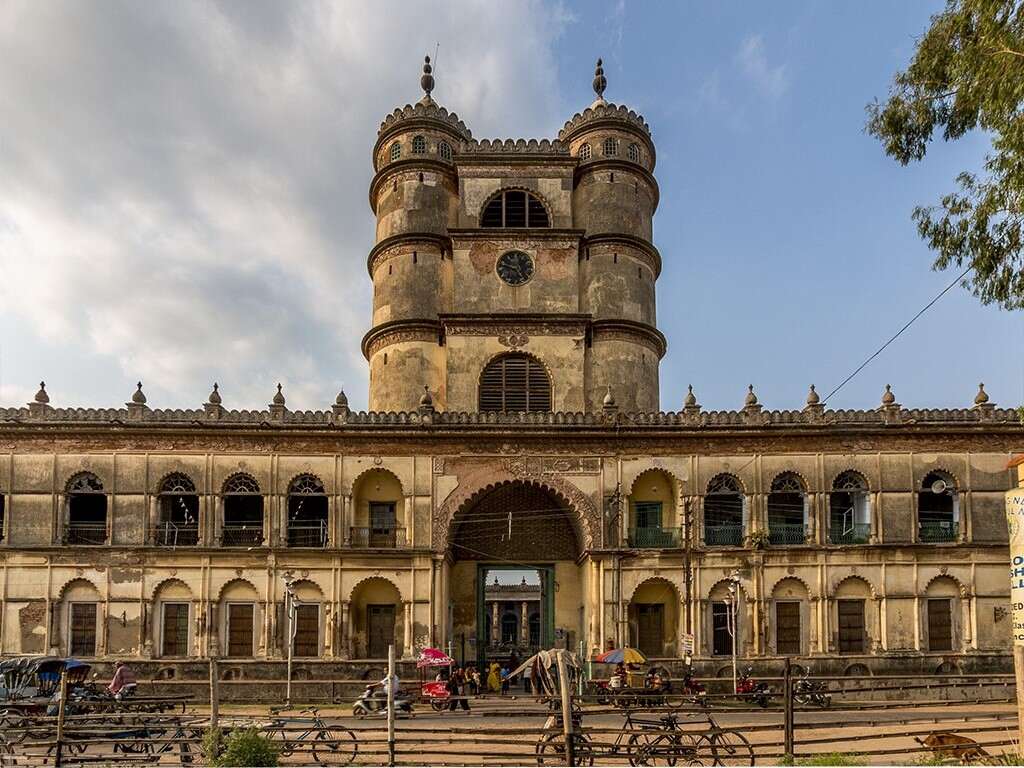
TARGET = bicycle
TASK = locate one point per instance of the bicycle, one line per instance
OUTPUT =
(330, 744)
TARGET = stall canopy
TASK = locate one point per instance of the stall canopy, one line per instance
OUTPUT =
(431, 657)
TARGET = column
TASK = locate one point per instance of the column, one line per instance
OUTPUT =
(407, 639)
(812, 517)
(212, 629)
(965, 609)
(813, 607)
(345, 652)
(146, 625)
(524, 626)
(876, 646)
(346, 519)
(495, 627)
(409, 513)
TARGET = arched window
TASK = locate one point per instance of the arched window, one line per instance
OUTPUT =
(179, 512)
(787, 510)
(633, 153)
(723, 512)
(307, 512)
(849, 510)
(419, 145)
(444, 149)
(243, 512)
(535, 630)
(515, 382)
(514, 208)
(87, 510)
(938, 508)
(584, 153)
(611, 147)
(396, 151)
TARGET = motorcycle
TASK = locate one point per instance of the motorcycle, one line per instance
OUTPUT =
(375, 700)
(749, 690)
(693, 688)
(806, 691)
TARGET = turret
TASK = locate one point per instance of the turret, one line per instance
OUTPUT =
(414, 195)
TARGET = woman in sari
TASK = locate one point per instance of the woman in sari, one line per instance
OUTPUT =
(494, 678)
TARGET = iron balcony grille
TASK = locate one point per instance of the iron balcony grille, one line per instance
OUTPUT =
(786, 534)
(86, 533)
(242, 535)
(654, 537)
(308, 535)
(857, 534)
(730, 535)
(378, 538)
(938, 531)
(173, 535)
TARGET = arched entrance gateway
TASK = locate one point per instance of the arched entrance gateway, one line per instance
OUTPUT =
(517, 582)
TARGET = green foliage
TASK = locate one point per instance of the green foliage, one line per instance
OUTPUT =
(1004, 758)
(968, 73)
(757, 539)
(831, 758)
(243, 747)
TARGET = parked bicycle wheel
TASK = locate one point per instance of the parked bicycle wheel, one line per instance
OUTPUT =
(663, 749)
(335, 746)
(726, 747)
(551, 750)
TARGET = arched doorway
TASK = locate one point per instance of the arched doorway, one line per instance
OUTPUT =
(515, 584)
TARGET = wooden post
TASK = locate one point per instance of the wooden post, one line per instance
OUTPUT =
(214, 694)
(391, 704)
(787, 708)
(563, 686)
(60, 718)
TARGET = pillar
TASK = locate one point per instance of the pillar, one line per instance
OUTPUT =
(876, 645)
(524, 625)
(345, 652)
(495, 626)
(813, 504)
(407, 634)
(813, 606)
(409, 521)
(346, 519)
(212, 624)
(965, 609)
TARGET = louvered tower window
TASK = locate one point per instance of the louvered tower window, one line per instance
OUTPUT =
(516, 383)
(514, 208)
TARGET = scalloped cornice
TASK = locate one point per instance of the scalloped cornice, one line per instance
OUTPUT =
(420, 111)
(515, 146)
(614, 113)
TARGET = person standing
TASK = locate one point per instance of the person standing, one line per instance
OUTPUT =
(504, 680)
(457, 691)
(527, 675)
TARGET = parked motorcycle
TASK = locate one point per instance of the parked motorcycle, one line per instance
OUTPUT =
(375, 700)
(751, 691)
(807, 691)
(693, 688)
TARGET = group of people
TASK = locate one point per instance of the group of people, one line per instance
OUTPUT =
(467, 682)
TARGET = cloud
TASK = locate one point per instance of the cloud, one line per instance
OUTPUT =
(183, 186)
(771, 81)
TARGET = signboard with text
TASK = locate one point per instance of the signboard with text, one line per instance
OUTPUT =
(1015, 527)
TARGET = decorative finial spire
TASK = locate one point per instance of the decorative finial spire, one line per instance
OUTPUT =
(751, 398)
(426, 400)
(138, 397)
(812, 397)
(982, 397)
(342, 398)
(427, 79)
(214, 398)
(279, 397)
(600, 81)
(609, 398)
(888, 398)
(691, 399)
(41, 396)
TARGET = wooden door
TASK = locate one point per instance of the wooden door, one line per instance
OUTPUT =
(240, 629)
(650, 624)
(851, 626)
(175, 630)
(787, 628)
(721, 640)
(83, 629)
(940, 624)
(380, 630)
(307, 630)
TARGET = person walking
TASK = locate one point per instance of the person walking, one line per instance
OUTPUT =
(494, 678)
(504, 680)
(457, 691)
(527, 674)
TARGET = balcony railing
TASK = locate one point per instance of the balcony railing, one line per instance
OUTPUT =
(172, 535)
(242, 535)
(307, 535)
(654, 538)
(86, 533)
(723, 535)
(377, 538)
(786, 534)
(857, 534)
(938, 531)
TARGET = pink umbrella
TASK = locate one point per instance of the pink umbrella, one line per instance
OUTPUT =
(431, 657)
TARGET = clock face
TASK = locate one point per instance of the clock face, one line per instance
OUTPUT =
(515, 267)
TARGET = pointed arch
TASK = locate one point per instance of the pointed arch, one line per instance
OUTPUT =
(961, 588)
(166, 584)
(238, 581)
(353, 593)
(84, 482)
(78, 581)
(853, 577)
(792, 577)
(368, 470)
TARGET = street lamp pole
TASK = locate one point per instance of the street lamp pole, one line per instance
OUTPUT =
(289, 609)
(731, 619)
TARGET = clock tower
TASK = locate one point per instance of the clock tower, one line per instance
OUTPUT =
(514, 275)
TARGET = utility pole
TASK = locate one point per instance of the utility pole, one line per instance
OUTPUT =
(687, 552)
(289, 610)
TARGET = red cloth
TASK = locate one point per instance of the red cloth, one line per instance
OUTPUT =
(122, 677)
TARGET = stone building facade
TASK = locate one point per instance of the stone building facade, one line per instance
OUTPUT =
(515, 421)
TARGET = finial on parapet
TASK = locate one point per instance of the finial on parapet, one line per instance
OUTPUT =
(212, 406)
(137, 407)
(982, 403)
(427, 79)
(608, 404)
(690, 405)
(277, 409)
(890, 408)
(982, 397)
(751, 408)
(340, 407)
(751, 399)
(426, 406)
(888, 398)
(814, 407)
(279, 397)
(40, 403)
(600, 81)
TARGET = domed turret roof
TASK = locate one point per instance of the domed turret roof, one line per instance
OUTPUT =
(425, 109)
(603, 111)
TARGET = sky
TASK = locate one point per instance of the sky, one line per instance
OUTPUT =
(183, 191)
